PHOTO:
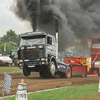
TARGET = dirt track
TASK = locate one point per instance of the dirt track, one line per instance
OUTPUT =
(35, 83)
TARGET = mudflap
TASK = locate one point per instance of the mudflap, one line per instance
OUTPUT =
(61, 67)
(64, 70)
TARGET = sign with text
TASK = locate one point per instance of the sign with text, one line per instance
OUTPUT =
(21, 92)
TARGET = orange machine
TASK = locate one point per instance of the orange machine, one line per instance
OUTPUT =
(80, 65)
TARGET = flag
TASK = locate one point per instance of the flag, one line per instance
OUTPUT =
(7, 83)
(5, 46)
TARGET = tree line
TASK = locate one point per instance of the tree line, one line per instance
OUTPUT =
(9, 42)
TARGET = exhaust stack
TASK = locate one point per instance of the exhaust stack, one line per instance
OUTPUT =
(56, 30)
(56, 45)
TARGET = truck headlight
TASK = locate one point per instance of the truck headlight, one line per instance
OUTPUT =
(42, 59)
(43, 62)
(20, 60)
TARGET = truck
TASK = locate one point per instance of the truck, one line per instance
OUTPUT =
(95, 56)
(38, 52)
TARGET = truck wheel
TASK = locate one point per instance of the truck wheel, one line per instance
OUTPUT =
(52, 68)
(15, 62)
(68, 72)
(26, 71)
(41, 73)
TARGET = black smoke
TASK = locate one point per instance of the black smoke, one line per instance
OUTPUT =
(78, 20)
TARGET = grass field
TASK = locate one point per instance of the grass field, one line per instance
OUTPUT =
(10, 69)
(87, 92)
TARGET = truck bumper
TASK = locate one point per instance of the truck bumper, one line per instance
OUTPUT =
(32, 63)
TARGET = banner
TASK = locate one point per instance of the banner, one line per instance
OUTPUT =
(5, 47)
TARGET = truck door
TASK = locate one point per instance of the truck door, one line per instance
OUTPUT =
(49, 46)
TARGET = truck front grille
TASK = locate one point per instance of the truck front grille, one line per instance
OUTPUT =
(29, 54)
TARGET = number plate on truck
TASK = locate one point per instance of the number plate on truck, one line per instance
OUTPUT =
(31, 66)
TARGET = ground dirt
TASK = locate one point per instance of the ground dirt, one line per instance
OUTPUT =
(35, 82)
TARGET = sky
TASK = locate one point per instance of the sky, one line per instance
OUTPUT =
(8, 20)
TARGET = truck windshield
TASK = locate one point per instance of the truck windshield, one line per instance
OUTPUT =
(31, 41)
(96, 45)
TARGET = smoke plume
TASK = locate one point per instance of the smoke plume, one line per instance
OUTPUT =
(79, 20)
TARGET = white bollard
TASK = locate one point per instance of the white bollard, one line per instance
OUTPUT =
(99, 86)
(21, 92)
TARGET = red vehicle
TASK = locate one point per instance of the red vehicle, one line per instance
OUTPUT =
(79, 67)
(95, 56)
(86, 66)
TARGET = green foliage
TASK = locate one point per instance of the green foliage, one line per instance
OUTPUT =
(11, 39)
(8, 48)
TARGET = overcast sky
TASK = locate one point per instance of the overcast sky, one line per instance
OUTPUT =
(9, 21)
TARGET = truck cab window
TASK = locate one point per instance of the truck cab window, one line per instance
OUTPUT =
(49, 40)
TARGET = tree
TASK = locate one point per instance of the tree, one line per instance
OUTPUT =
(11, 39)
(8, 48)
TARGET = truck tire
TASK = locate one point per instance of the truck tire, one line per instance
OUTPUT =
(68, 72)
(52, 68)
(41, 73)
(26, 71)
(15, 61)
